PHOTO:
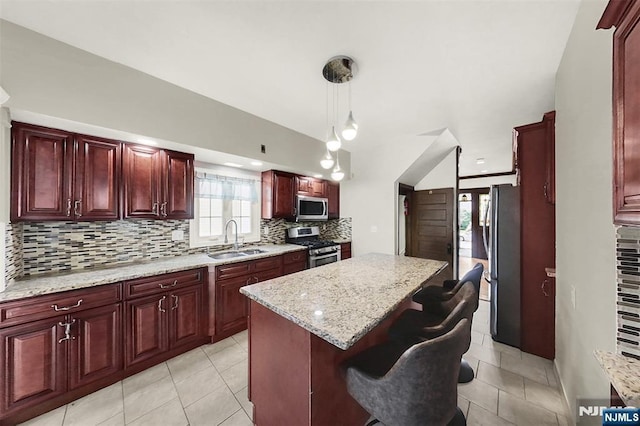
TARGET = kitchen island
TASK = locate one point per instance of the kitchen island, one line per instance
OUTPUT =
(302, 326)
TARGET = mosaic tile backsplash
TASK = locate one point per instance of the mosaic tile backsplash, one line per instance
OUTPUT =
(628, 291)
(35, 248)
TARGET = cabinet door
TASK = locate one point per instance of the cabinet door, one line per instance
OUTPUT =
(177, 202)
(187, 316)
(33, 363)
(333, 194)
(96, 351)
(283, 198)
(345, 251)
(231, 305)
(41, 173)
(97, 179)
(142, 180)
(626, 118)
(146, 328)
(312, 187)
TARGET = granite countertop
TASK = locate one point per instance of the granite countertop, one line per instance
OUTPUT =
(40, 285)
(341, 302)
(624, 374)
(341, 240)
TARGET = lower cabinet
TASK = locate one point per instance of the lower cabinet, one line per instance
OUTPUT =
(171, 316)
(294, 262)
(231, 306)
(49, 358)
(345, 251)
(59, 347)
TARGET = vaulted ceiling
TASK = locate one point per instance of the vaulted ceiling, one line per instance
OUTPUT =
(478, 67)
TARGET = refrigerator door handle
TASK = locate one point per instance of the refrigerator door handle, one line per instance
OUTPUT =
(485, 238)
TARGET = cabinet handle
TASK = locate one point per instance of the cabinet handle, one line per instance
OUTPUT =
(175, 283)
(68, 207)
(66, 308)
(67, 331)
(257, 280)
(175, 304)
(154, 209)
(546, 191)
(77, 205)
(163, 209)
(160, 304)
(248, 281)
(544, 287)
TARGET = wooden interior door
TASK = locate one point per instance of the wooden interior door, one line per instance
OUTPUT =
(432, 227)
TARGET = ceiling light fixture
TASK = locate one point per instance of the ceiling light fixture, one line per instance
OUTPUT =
(337, 174)
(480, 161)
(256, 163)
(232, 164)
(338, 70)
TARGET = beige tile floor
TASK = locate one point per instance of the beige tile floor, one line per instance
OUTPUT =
(208, 386)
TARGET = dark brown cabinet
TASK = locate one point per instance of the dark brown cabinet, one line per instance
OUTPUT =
(311, 187)
(58, 175)
(164, 314)
(231, 306)
(625, 16)
(345, 251)
(278, 195)
(333, 195)
(73, 343)
(158, 184)
(294, 262)
(537, 237)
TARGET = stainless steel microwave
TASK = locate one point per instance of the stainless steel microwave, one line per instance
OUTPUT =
(311, 208)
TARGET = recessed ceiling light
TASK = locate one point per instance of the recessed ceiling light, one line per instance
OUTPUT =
(147, 142)
(480, 161)
(256, 163)
(317, 175)
(484, 171)
(232, 164)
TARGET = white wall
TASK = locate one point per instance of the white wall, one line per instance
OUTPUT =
(442, 176)
(585, 236)
(47, 77)
(5, 149)
(486, 182)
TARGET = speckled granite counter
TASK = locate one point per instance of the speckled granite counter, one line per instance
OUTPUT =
(342, 301)
(624, 374)
(37, 286)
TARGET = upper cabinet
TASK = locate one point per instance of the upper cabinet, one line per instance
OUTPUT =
(58, 175)
(311, 187)
(278, 195)
(333, 194)
(625, 16)
(158, 184)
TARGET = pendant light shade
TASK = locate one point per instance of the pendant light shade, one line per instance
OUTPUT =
(327, 161)
(350, 128)
(333, 141)
(337, 174)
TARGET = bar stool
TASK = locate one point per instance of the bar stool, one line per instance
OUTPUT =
(412, 386)
(434, 294)
(436, 318)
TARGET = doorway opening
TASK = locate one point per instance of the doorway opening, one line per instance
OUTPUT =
(472, 204)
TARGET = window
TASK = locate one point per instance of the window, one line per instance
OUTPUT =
(220, 198)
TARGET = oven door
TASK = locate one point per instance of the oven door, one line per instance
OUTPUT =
(323, 259)
(312, 208)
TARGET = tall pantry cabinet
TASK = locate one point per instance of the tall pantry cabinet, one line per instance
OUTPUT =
(536, 166)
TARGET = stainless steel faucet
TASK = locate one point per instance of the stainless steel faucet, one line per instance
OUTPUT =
(226, 240)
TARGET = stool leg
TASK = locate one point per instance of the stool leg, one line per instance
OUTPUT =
(458, 419)
(466, 372)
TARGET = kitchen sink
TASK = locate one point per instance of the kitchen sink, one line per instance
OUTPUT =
(227, 255)
(252, 251)
(232, 254)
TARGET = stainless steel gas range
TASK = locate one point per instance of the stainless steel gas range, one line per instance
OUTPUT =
(320, 252)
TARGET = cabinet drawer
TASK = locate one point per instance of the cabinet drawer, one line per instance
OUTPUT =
(295, 257)
(268, 263)
(292, 268)
(159, 283)
(233, 270)
(35, 308)
(268, 275)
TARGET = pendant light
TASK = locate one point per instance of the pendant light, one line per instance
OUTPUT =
(337, 174)
(327, 161)
(333, 141)
(350, 130)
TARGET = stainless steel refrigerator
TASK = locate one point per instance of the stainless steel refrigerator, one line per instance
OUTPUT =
(502, 241)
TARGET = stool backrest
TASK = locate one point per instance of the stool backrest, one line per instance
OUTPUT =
(467, 293)
(421, 387)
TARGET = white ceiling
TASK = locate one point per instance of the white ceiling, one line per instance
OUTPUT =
(478, 68)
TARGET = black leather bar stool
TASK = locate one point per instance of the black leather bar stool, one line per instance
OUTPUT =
(411, 386)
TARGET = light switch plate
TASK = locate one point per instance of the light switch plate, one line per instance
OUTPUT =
(177, 235)
(573, 297)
